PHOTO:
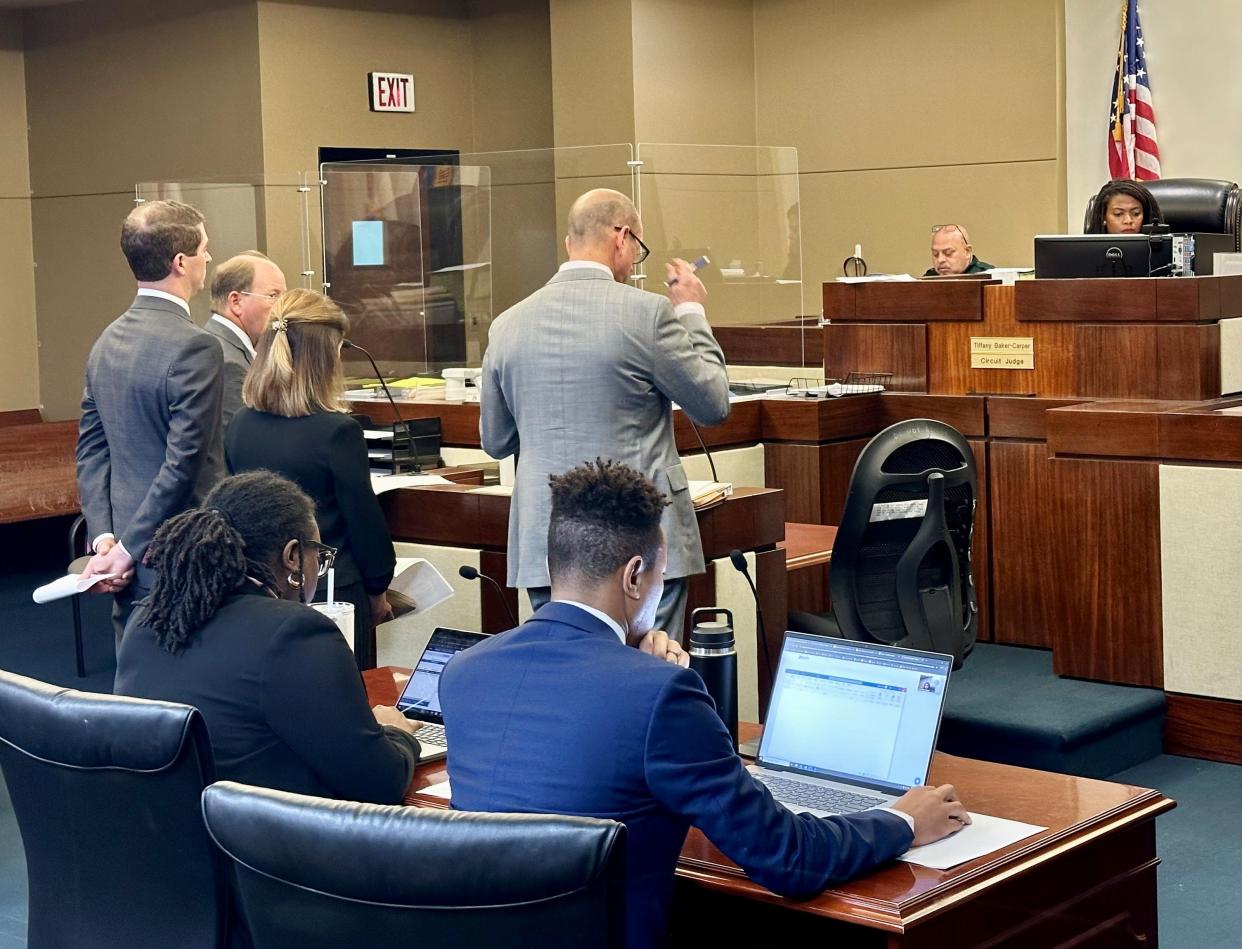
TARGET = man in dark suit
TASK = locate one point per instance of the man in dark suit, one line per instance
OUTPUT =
(558, 716)
(589, 366)
(243, 290)
(149, 442)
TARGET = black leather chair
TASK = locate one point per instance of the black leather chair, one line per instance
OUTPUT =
(901, 567)
(320, 874)
(1195, 205)
(106, 791)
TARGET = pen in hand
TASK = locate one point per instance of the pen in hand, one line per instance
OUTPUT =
(696, 266)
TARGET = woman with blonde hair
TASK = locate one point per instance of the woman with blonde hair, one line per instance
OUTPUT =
(296, 424)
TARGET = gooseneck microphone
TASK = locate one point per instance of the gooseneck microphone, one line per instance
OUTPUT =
(348, 344)
(738, 559)
(466, 572)
(711, 463)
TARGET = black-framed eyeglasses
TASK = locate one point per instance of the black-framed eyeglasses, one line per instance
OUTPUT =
(271, 296)
(643, 250)
(325, 554)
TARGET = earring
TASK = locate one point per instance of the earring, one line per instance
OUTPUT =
(295, 580)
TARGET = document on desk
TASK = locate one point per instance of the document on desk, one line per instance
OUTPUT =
(437, 790)
(985, 835)
(390, 482)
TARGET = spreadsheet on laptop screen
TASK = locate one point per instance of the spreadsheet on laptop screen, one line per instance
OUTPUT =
(856, 711)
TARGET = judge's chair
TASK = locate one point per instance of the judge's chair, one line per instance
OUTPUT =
(106, 793)
(901, 566)
(320, 874)
(1195, 205)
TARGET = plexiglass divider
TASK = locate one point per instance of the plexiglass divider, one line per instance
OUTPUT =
(424, 253)
(738, 206)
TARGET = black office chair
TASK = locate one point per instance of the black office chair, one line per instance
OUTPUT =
(106, 790)
(320, 874)
(901, 567)
(1195, 205)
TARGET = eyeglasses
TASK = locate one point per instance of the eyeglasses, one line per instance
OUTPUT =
(937, 228)
(326, 555)
(271, 296)
(643, 250)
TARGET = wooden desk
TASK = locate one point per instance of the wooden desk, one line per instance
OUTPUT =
(38, 477)
(1090, 876)
(808, 552)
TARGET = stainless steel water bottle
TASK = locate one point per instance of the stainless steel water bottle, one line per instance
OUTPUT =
(713, 655)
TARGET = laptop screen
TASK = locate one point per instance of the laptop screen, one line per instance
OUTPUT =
(421, 696)
(867, 714)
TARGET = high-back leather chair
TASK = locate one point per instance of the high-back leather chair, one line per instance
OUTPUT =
(106, 793)
(901, 560)
(1195, 205)
(320, 874)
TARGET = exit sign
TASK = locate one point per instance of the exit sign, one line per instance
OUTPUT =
(391, 92)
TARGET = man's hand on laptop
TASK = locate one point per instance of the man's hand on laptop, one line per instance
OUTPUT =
(657, 643)
(391, 715)
(936, 811)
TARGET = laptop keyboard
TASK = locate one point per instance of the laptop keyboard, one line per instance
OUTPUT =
(431, 734)
(818, 797)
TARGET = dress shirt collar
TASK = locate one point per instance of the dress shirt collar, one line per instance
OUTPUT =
(603, 617)
(583, 265)
(149, 292)
(237, 331)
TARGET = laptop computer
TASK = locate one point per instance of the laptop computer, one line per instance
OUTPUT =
(420, 699)
(850, 725)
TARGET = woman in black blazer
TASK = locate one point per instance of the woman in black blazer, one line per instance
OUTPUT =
(284, 705)
(295, 424)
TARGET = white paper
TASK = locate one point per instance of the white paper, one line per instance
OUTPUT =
(983, 836)
(703, 489)
(389, 482)
(437, 790)
(68, 585)
(418, 580)
(376, 434)
(501, 490)
(878, 278)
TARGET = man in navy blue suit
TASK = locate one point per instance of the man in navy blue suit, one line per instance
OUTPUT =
(558, 716)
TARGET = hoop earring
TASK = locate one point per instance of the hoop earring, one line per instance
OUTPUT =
(296, 580)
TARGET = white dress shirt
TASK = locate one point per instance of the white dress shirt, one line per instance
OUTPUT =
(237, 331)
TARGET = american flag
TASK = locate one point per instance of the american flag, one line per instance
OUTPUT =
(1132, 148)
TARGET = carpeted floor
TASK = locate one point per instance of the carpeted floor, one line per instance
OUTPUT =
(1200, 843)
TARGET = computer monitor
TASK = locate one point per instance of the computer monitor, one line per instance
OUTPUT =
(1101, 255)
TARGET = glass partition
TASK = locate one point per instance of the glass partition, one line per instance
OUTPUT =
(272, 214)
(736, 206)
(465, 236)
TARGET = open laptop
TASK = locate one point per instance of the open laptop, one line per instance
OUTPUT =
(850, 725)
(420, 699)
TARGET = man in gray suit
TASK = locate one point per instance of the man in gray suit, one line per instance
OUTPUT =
(587, 367)
(149, 442)
(243, 291)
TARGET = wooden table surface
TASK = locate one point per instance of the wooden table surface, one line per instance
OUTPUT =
(1098, 833)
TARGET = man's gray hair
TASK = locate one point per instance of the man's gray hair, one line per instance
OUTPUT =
(235, 274)
(593, 216)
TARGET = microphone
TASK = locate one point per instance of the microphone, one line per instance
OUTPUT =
(466, 572)
(348, 344)
(738, 559)
(711, 463)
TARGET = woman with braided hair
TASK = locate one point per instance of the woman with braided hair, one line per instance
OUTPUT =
(225, 630)
(296, 425)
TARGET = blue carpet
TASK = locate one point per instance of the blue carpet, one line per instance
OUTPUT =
(1005, 704)
(1200, 848)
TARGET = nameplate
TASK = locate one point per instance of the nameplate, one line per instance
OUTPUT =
(1002, 352)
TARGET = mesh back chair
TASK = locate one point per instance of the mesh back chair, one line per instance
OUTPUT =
(1195, 205)
(321, 874)
(901, 568)
(106, 790)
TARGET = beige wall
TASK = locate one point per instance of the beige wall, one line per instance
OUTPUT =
(119, 93)
(907, 115)
(19, 360)
(1192, 55)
